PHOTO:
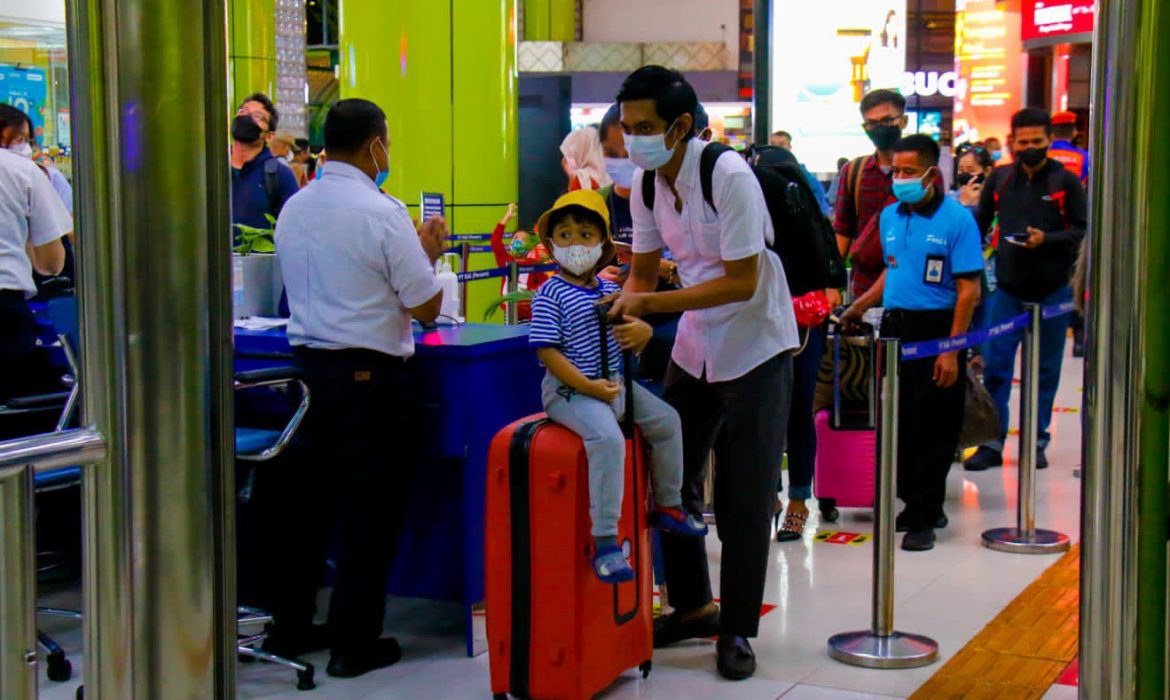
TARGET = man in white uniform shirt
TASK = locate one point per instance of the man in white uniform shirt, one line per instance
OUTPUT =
(32, 223)
(356, 272)
(730, 376)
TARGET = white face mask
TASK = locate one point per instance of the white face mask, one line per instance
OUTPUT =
(578, 259)
(22, 149)
(650, 152)
(621, 171)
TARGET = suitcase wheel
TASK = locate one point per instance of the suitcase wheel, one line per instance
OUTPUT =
(830, 514)
(305, 678)
(645, 668)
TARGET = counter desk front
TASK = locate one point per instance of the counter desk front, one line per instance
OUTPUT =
(467, 383)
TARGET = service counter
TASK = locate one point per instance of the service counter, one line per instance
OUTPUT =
(466, 382)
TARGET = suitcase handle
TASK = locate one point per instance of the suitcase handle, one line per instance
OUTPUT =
(620, 618)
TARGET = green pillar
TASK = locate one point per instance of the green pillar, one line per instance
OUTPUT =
(251, 49)
(445, 73)
(550, 20)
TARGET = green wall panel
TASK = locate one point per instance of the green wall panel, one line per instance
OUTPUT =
(251, 48)
(550, 20)
(445, 73)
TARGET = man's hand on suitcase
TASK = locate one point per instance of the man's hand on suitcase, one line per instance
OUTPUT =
(633, 334)
(622, 304)
(946, 369)
(603, 390)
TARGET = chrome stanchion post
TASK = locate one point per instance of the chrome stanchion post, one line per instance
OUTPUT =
(465, 253)
(1025, 538)
(512, 308)
(18, 630)
(882, 646)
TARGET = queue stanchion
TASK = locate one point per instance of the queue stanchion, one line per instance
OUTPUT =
(1025, 538)
(512, 307)
(882, 646)
(465, 254)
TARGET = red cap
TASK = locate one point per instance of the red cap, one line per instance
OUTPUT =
(1064, 118)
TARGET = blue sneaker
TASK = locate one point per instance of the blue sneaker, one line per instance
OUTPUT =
(611, 566)
(676, 521)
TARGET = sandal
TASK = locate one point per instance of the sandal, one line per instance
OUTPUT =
(793, 528)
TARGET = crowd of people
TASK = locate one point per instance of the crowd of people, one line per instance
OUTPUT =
(692, 283)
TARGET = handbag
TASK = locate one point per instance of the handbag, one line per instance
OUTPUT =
(980, 416)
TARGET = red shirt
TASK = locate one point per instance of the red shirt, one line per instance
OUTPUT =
(853, 215)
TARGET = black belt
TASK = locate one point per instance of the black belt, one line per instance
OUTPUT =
(357, 355)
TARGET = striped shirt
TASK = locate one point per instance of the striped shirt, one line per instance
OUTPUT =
(564, 317)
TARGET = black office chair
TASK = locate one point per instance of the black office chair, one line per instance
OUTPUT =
(256, 445)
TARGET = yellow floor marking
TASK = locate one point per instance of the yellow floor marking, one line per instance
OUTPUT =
(1024, 649)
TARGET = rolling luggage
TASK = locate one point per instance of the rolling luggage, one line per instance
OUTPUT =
(845, 472)
(555, 630)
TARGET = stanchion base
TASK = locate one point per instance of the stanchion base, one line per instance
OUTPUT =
(899, 650)
(1012, 539)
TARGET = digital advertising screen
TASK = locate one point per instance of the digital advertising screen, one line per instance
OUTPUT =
(989, 63)
(825, 57)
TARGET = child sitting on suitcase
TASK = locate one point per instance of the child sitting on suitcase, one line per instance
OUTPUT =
(582, 395)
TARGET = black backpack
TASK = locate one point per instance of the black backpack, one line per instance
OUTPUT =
(271, 186)
(804, 238)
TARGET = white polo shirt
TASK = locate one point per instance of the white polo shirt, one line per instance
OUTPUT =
(352, 264)
(726, 342)
(30, 212)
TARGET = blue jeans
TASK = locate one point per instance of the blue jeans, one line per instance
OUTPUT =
(802, 433)
(1001, 360)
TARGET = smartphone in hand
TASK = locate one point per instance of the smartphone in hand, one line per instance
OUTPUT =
(1017, 238)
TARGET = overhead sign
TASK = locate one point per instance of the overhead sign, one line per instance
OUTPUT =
(1056, 19)
(930, 83)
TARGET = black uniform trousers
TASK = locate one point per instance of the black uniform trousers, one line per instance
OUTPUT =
(746, 421)
(348, 496)
(24, 367)
(929, 417)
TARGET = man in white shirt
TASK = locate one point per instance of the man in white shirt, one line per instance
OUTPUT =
(356, 272)
(32, 223)
(730, 376)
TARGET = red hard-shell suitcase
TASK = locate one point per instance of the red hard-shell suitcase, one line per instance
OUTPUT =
(555, 631)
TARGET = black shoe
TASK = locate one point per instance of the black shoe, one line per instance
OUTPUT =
(297, 644)
(983, 459)
(672, 629)
(1041, 459)
(382, 653)
(918, 540)
(736, 660)
(1078, 349)
(902, 523)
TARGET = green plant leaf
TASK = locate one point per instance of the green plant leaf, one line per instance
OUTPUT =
(518, 296)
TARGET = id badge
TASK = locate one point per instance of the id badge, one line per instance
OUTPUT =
(933, 274)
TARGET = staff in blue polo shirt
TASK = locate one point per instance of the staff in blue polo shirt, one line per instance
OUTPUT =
(929, 291)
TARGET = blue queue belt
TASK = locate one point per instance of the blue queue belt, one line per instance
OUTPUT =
(933, 348)
(501, 272)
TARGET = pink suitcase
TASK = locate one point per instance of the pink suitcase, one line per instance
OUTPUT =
(845, 473)
(846, 440)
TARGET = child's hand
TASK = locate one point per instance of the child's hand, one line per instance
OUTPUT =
(604, 390)
(511, 214)
(633, 334)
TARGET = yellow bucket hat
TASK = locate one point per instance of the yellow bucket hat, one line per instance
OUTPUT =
(590, 200)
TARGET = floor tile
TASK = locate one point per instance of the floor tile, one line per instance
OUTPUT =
(813, 692)
(818, 589)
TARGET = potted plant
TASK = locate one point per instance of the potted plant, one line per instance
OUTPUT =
(256, 281)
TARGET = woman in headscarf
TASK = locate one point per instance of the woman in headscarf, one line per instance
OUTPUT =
(584, 161)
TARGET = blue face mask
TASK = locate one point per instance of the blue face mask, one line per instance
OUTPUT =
(380, 178)
(910, 190)
(996, 156)
(650, 152)
(621, 171)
